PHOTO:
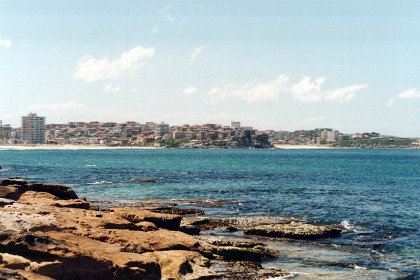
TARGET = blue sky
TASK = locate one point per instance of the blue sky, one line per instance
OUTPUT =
(283, 65)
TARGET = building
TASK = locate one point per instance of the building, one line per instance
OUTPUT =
(33, 129)
(161, 129)
(235, 124)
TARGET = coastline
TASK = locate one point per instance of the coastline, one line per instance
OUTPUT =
(70, 147)
(102, 147)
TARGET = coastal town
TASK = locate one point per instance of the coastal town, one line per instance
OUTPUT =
(35, 131)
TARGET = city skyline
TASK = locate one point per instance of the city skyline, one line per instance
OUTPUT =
(281, 65)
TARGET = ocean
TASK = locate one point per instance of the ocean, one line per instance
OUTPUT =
(373, 193)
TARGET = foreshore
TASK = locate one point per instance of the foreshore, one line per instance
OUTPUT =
(104, 147)
(48, 232)
(70, 147)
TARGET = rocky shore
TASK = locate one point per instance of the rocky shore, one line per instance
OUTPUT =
(48, 232)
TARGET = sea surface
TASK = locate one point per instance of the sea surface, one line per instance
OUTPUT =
(374, 194)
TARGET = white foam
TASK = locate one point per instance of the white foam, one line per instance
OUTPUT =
(359, 267)
(100, 183)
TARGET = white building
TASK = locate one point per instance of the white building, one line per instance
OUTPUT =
(33, 129)
(235, 124)
(161, 129)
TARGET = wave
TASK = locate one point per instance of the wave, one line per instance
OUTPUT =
(359, 267)
(100, 183)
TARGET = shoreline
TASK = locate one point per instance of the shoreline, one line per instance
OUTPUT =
(71, 147)
(102, 147)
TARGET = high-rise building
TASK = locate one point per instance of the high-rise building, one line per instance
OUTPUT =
(33, 129)
(235, 124)
(161, 129)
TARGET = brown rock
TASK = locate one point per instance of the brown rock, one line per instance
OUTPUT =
(295, 231)
(80, 257)
(5, 201)
(10, 192)
(59, 191)
(10, 274)
(146, 241)
(161, 220)
(146, 226)
(183, 265)
(13, 261)
(47, 199)
(13, 181)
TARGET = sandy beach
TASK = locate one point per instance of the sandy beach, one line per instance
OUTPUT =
(300, 147)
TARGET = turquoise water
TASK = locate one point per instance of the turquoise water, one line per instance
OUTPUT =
(373, 193)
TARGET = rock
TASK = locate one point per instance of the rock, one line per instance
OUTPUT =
(47, 199)
(80, 257)
(295, 231)
(178, 211)
(135, 215)
(191, 230)
(183, 265)
(146, 226)
(248, 270)
(13, 181)
(144, 180)
(10, 274)
(33, 276)
(147, 241)
(5, 201)
(59, 191)
(10, 192)
(13, 261)
(239, 254)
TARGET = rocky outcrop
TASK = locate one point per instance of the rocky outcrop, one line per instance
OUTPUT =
(135, 215)
(47, 232)
(295, 231)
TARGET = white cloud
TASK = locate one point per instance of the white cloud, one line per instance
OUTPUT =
(7, 43)
(197, 51)
(155, 30)
(308, 91)
(251, 92)
(189, 91)
(344, 94)
(112, 88)
(411, 93)
(91, 69)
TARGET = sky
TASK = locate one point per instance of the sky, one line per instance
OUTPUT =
(283, 65)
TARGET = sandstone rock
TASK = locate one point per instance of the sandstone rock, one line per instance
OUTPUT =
(147, 241)
(33, 276)
(183, 265)
(13, 181)
(80, 257)
(178, 211)
(5, 201)
(295, 231)
(13, 261)
(47, 199)
(59, 191)
(10, 274)
(146, 226)
(135, 215)
(10, 192)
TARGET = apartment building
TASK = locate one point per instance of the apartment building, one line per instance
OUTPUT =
(33, 129)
